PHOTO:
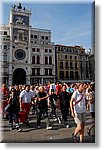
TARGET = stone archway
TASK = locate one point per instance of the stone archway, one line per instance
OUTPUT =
(19, 76)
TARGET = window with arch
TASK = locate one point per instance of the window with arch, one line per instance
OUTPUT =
(61, 65)
(50, 60)
(46, 71)
(67, 75)
(38, 59)
(50, 72)
(76, 66)
(61, 74)
(33, 60)
(46, 60)
(38, 71)
(66, 64)
(71, 65)
(33, 71)
(71, 75)
(76, 75)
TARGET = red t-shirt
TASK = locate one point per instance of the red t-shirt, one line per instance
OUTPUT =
(58, 89)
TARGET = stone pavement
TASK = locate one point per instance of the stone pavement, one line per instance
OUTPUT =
(59, 134)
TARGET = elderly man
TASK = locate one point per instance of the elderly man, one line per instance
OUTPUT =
(42, 107)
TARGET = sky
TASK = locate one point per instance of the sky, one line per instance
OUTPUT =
(69, 22)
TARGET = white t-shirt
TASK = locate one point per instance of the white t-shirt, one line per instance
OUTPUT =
(80, 107)
(26, 96)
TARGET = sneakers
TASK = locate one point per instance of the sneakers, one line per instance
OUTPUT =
(19, 129)
(67, 125)
(49, 127)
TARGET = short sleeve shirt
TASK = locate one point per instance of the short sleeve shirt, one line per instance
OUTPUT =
(80, 107)
(26, 96)
(42, 103)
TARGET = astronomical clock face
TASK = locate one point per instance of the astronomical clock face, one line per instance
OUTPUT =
(20, 54)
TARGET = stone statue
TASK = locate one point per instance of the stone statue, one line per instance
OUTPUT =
(19, 6)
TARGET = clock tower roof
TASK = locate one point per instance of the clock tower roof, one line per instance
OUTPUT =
(20, 9)
(19, 15)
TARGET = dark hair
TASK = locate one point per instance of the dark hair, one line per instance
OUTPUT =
(27, 85)
(13, 90)
(89, 90)
(63, 85)
(52, 90)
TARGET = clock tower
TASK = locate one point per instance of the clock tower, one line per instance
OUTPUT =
(20, 51)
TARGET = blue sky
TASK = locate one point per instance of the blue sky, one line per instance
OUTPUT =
(70, 23)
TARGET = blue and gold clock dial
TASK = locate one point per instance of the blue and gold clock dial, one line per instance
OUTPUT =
(20, 54)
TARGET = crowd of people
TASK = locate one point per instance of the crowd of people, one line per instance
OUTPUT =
(71, 99)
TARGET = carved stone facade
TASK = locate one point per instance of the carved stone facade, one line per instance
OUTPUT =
(27, 54)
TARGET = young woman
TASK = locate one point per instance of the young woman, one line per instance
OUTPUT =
(14, 108)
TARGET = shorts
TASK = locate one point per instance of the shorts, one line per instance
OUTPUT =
(80, 118)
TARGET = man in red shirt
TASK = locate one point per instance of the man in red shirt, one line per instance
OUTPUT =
(58, 88)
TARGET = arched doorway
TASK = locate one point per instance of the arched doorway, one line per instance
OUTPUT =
(19, 76)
